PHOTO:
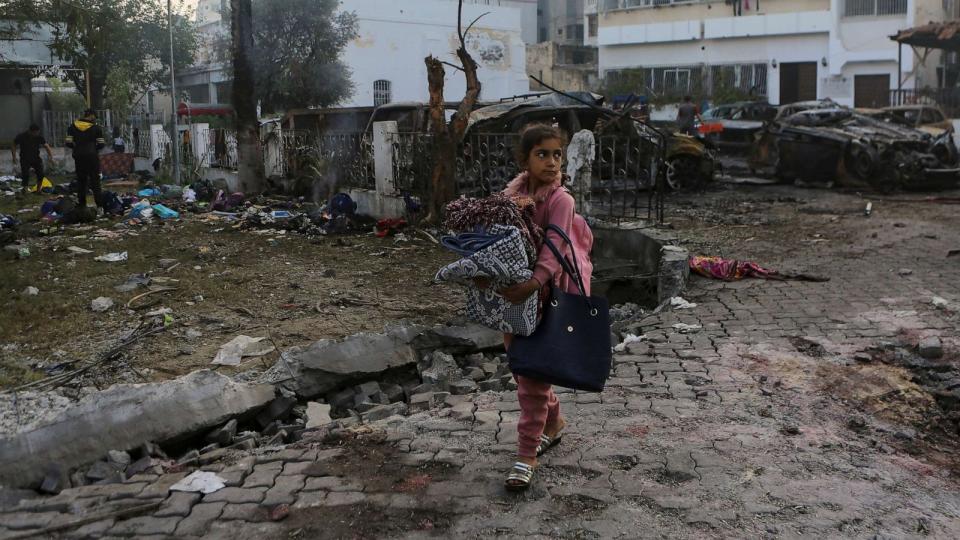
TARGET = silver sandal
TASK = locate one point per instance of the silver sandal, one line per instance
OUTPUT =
(547, 442)
(520, 477)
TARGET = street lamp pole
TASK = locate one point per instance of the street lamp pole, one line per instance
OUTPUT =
(174, 139)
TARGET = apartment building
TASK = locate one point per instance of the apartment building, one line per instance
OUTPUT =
(386, 58)
(786, 50)
(207, 82)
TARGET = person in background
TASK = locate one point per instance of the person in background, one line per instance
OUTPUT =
(85, 137)
(29, 142)
(687, 115)
(119, 145)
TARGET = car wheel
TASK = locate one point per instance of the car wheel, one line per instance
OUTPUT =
(862, 161)
(682, 172)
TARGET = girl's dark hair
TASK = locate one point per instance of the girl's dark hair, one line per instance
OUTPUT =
(535, 134)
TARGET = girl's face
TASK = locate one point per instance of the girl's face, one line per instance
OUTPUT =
(544, 160)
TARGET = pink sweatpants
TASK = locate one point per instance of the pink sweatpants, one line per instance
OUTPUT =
(539, 406)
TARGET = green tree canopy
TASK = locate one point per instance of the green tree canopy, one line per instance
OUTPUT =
(296, 49)
(100, 36)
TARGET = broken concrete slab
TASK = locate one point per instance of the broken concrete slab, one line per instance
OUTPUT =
(469, 338)
(278, 409)
(384, 411)
(223, 434)
(318, 414)
(328, 364)
(125, 417)
(930, 348)
(462, 387)
(442, 371)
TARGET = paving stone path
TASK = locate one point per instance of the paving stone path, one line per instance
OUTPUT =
(764, 424)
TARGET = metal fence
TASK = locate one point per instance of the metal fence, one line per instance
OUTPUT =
(347, 157)
(873, 8)
(622, 184)
(486, 163)
(222, 148)
(55, 124)
(135, 129)
(948, 99)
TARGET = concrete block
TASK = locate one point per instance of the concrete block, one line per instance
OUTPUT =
(127, 416)
(278, 409)
(318, 414)
(931, 347)
(223, 434)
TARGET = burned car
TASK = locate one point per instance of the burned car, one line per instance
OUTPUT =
(831, 143)
(927, 118)
(739, 124)
(628, 156)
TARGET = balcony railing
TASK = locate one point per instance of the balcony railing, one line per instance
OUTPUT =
(611, 5)
(873, 8)
(948, 99)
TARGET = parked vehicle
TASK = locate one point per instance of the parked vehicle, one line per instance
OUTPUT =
(825, 142)
(738, 124)
(691, 161)
(928, 118)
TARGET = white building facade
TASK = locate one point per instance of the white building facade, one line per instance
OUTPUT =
(786, 50)
(386, 59)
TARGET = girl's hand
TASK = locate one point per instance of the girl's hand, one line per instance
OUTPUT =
(482, 283)
(518, 293)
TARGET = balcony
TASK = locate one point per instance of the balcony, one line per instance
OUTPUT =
(614, 5)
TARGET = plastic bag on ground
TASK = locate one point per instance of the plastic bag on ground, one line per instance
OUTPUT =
(112, 257)
(231, 352)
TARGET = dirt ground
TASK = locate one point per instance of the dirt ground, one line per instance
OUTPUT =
(295, 289)
(290, 288)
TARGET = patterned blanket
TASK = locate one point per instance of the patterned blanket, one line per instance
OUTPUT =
(504, 263)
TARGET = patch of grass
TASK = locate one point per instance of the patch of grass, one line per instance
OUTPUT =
(13, 374)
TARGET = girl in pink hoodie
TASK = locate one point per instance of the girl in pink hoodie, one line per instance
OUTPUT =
(540, 153)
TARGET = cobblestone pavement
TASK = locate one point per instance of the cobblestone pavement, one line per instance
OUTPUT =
(769, 422)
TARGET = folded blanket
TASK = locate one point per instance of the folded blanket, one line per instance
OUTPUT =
(466, 244)
(503, 262)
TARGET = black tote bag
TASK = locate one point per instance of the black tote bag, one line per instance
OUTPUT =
(571, 346)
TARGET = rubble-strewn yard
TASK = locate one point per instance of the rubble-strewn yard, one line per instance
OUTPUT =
(783, 409)
(291, 288)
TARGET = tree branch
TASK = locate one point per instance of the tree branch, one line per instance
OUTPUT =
(454, 66)
(469, 26)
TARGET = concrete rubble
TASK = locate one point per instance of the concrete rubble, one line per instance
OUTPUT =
(125, 417)
(329, 364)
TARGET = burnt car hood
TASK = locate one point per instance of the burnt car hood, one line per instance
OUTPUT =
(550, 101)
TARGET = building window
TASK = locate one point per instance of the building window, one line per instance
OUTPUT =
(873, 8)
(591, 25)
(381, 92)
(729, 82)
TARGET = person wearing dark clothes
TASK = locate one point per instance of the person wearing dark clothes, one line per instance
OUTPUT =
(29, 142)
(85, 137)
(687, 114)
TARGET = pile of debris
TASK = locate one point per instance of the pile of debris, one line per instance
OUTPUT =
(204, 417)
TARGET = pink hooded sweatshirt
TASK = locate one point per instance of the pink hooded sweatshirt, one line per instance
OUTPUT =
(555, 206)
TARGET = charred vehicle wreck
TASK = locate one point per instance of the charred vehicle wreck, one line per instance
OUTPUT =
(631, 155)
(838, 144)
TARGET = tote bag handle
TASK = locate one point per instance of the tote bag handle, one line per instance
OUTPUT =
(571, 269)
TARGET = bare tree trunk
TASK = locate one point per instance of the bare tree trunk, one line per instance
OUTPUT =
(250, 161)
(446, 137)
(442, 183)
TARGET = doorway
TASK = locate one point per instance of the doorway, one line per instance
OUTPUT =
(798, 82)
(871, 91)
